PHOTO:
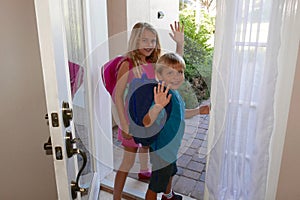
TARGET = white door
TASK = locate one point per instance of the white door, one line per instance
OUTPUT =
(69, 33)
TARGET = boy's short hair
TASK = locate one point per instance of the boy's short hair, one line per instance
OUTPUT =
(172, 60)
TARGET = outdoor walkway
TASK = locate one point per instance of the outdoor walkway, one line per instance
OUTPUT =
(192, 158)
(191, 163)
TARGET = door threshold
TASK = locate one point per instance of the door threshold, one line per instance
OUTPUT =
(133, 189)
(125, 196)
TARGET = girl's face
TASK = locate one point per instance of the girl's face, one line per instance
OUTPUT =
(147, 43)
(172, 76)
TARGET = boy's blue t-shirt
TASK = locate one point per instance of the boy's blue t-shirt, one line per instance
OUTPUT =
(168, 142)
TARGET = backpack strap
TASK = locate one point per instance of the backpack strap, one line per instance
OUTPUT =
(125, 58)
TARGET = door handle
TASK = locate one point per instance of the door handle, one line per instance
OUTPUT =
(71, 150)
(75, 184)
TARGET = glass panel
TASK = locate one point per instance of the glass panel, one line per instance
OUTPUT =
(73, 14)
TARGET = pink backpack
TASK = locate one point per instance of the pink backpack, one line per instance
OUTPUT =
(109, 72)
(76, 76)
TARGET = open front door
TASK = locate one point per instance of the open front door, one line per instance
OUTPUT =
(81, 148)
(58, 96)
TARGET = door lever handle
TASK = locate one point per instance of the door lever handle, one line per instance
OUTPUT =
(75, 184)
(70, 152)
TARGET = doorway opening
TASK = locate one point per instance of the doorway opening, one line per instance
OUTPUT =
(190, 179)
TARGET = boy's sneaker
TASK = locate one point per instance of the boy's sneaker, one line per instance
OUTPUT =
(144, 175)
(174, 197)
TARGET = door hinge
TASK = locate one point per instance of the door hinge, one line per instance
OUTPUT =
(48, 147)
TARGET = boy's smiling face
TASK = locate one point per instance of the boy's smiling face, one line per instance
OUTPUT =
(173, 76)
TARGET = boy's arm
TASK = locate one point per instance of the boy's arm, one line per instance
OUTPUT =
(152, 115)
(161, 99)
(178, 36)
(202, 110)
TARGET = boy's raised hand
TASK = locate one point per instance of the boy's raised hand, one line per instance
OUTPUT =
(161, 96)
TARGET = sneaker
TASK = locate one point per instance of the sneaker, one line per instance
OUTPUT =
(174, 197)
(144, 175)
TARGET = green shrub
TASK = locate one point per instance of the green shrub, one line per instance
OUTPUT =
(198, 52)
(188, 95)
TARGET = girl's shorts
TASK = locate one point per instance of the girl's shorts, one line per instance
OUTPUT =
(125, 142)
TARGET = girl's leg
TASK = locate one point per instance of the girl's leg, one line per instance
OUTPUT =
(121, 175)
(144, 157)
(144, 173)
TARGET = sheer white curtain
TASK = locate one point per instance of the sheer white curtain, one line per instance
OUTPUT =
(245, 70)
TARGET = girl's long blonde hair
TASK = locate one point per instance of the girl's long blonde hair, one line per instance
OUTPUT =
(135, 36)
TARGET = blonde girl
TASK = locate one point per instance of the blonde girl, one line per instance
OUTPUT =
(144, 49)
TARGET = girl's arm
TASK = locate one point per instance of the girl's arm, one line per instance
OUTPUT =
(178, 36)
(161, 99)
(202, 110)
(119, 98)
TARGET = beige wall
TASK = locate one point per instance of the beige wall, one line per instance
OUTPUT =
(288, 185)
(26, 172)
(117, 27)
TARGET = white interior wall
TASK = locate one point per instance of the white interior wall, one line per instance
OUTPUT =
(147, 11)
(99, 99)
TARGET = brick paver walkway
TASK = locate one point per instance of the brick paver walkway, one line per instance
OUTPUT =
(192, 158)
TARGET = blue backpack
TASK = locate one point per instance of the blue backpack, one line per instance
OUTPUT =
(140, 98)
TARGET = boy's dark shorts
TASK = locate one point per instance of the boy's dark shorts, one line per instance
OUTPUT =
(161, 173)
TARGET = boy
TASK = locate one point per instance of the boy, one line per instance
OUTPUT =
(170, 70)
